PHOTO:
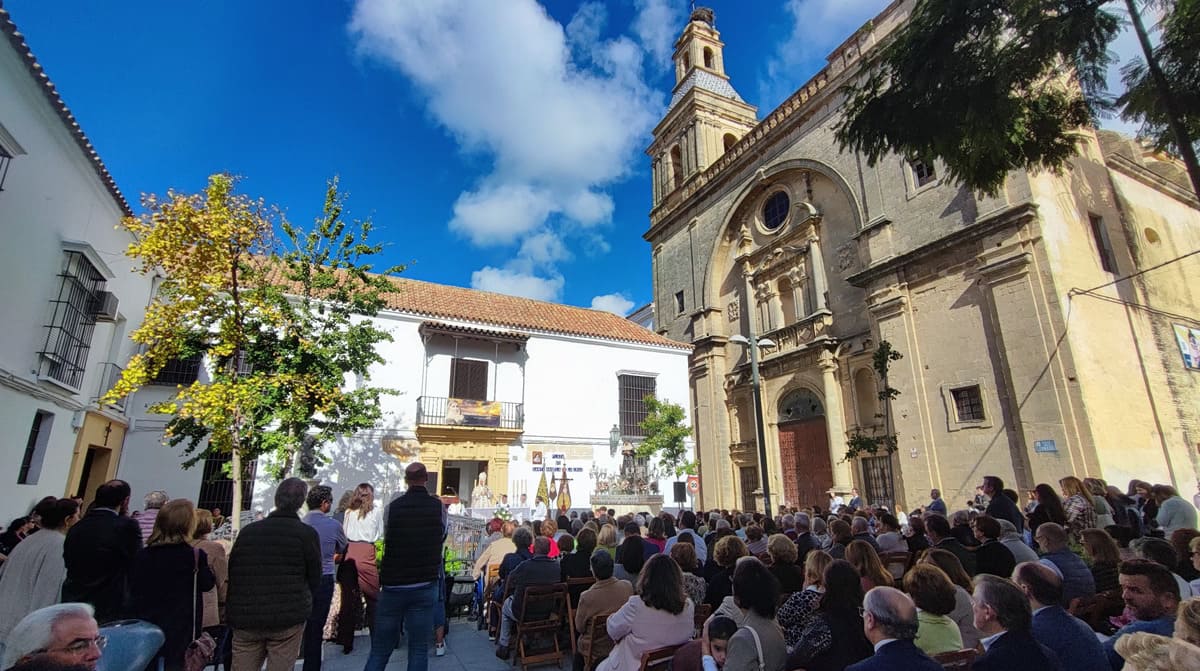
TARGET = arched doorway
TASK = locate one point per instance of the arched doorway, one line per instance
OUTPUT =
(804, 449)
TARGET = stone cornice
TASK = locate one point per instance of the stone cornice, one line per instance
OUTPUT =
(1136, 171)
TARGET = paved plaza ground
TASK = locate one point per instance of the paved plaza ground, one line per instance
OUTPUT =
(466, 649)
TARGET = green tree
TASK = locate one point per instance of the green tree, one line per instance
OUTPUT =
(861, 443)
(979, 85)
(1178, 59)
(270, 326)
(666, 433)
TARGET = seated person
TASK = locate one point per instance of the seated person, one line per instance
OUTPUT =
(712, 645)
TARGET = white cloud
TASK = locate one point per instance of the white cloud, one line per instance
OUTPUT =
(657, 25)
(614, 303)
(516, 283)
(543, 249)
(560, 113)
(818, 27)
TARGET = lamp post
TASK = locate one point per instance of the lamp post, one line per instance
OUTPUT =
(754, 343)
(614, 440)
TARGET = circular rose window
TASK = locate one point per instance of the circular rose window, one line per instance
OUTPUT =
(775, 210)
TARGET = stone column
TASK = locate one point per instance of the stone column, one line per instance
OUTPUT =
(797, 279)
(835, 422)
(775, 306)
(820, 283)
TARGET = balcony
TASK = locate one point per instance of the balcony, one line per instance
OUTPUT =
(109, 374)
(459, 418)
(801, 334)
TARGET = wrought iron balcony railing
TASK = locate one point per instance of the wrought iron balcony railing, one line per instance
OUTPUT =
(440, 411)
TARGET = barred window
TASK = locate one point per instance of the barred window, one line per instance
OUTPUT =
(968, 403)
(632, 400)
(72, 320)
(923, 172)
(179, 371)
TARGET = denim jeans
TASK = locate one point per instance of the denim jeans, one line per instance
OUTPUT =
(411, 607)
(314, 628)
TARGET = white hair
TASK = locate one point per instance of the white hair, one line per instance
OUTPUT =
(35, 631)
(155, 499)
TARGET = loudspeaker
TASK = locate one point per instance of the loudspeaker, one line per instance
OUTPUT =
(680, 492)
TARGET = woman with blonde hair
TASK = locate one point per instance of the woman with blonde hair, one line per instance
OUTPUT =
(800, 607)
(1097, 489)
(783, 554)
(1187, 621)
(1077, 503)
(169, 579)
(866, 561)
(726, 553)
(364, 526)
(218, 563)
(607, 540)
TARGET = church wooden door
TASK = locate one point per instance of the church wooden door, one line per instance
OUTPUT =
(804, 457)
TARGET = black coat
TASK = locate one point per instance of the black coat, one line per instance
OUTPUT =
(1015, 650)
(965, 556)
(805, 543)
(719, 587)
(1002, 508)
(994, 558)
(99, 552)
(162, 592)
(274, 567)
(897, 656)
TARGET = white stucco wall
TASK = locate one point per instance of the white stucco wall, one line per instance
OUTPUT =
(52, 194)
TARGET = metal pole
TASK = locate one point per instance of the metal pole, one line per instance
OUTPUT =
(758, 423)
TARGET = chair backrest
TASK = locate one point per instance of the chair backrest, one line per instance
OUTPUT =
(702, 612)
(131, 645)
(959, 660)
(658, 659)
(543, 602)
(599, 644)
(577, 586)
(896, 563)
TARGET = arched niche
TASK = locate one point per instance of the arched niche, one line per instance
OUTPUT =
(799, 405)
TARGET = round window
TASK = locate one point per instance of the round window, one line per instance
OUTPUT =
(775, 210)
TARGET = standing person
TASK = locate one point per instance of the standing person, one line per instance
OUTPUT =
(1104, 512)
(99, 552)
(154, 502)
(33, 574)
(274, 568)
(1077, 502)
(333, 548)
(412, 564)
(169, 578)
(856, 502)
(1003, 615)
(364, 525)
(342, 506)
(936, 504)
(218, 563)
(1000, 506)
(890, 624)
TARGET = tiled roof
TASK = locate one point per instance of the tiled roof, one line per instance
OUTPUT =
(486, 308)
(472, 332)
(17, 40)
(704, 79)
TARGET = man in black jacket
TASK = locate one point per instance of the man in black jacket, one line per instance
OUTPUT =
(805, 542)
(938, 531)
(274, 568)
(541, 570)
(99, 551)
(1001, 507)
(414, 531)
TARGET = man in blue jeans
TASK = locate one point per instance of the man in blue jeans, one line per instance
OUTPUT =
(414, 532)
(333, 548)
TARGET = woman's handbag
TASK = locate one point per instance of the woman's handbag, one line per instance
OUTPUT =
(199, 652)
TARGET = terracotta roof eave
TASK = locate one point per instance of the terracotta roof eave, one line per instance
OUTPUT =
(17, 40)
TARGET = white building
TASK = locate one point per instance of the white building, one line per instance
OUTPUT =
(69, 299)
(485, 383)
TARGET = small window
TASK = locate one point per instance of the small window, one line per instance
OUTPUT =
(687, 61)
(676, 167)
(1103, 249)
(708, 58)
(469, 379)
(775, 210)
(968, 403)
(73, 319)
(923, 172)
(35, 448)
(679, 302)
(179, 371)
(632, 403)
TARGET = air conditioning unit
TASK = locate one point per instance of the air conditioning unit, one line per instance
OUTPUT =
(105, 307)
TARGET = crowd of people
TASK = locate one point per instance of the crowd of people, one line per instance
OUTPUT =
(1083, 576)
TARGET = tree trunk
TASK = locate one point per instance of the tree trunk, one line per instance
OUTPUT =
(236, 466)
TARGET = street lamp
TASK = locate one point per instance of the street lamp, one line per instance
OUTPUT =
(754, 343)
(614, 440)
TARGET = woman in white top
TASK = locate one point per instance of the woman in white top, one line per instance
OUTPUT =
(364, 526)
(660, 614)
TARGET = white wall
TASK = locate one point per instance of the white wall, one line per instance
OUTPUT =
(51, 194)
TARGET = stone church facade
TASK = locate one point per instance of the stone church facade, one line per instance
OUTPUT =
(1040, 329)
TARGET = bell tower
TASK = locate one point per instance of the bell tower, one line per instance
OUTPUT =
(706, 116)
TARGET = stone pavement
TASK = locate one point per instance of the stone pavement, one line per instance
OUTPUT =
(466, 648)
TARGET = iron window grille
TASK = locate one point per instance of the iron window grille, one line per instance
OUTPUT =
(877, 480)
(72, 321)
(179, 371)
(968, 403)
(632, 402)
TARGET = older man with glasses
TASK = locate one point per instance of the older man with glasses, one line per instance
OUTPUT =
(64, 633)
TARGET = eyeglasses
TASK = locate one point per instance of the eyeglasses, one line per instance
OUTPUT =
(80, 645)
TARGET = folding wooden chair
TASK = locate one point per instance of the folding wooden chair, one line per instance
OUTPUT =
(575, 588)
(896, 563)
(703, 611)
(543, 609)
(495, 612)
(599, 644)
(659, 659)
(960, 660)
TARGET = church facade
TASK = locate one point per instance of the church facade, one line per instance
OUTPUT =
(1044, 332)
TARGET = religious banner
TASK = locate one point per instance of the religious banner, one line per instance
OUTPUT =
(465, 412)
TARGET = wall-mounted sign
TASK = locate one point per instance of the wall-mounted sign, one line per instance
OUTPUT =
(1044, 446)
(1189, 345)
(465, 412)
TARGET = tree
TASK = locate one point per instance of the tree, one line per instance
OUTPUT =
(1178, 59)
(267, 325)
(979, 85)
(666, 434)
(861, 443)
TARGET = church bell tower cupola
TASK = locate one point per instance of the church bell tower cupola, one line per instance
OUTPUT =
(706, 116)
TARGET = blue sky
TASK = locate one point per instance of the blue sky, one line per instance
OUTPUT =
(496, 144)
